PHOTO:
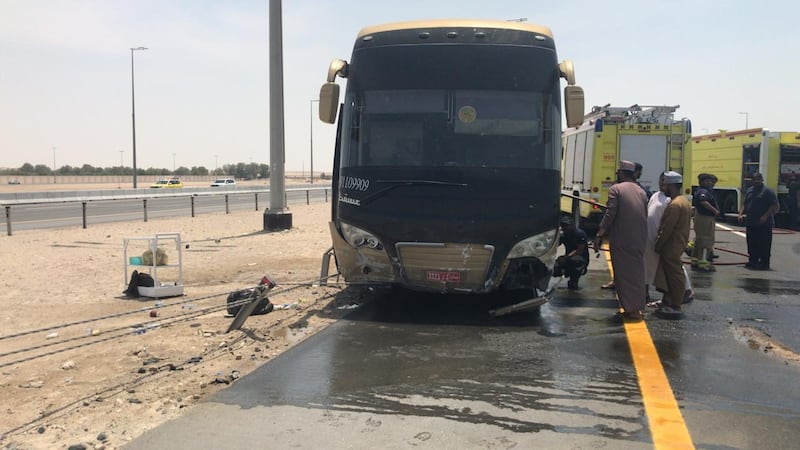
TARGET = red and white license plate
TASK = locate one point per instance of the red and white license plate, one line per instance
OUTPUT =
(443, 276)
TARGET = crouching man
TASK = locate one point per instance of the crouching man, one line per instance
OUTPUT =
(573, 263)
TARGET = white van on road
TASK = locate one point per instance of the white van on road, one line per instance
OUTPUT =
(223, 182)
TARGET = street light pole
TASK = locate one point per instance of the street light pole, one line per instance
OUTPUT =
(54, 165)
(746, 119)
(216, 164)
(277, 217)
(173, 163)
(121, 161)
(133, 114)
(311, 136)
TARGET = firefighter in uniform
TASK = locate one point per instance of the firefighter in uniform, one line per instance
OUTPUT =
(706, 212)
(575, 260)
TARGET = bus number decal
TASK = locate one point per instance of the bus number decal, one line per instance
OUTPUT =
(355, 184)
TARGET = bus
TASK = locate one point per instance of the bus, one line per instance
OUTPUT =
(446, 174)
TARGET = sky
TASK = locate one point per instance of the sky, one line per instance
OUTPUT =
(202, 87)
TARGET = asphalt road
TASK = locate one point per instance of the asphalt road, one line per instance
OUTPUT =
(410, 370)
(51, 215)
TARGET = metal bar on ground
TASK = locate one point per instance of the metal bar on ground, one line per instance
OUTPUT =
(259, 293)
(521, 306)
(83, 213)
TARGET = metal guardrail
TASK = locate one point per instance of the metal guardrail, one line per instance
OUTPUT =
(49, 199)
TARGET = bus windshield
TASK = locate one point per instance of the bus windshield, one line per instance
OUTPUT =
(465, 128)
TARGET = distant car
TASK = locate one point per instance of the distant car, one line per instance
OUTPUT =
(223, 182)
(14, 182)
(170, 183)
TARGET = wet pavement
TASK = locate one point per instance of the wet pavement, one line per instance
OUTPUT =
(411, 370)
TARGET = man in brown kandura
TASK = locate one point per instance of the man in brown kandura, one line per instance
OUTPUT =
(625, 224)
(673, 234)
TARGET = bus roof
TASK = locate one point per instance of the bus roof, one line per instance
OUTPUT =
(457, 23)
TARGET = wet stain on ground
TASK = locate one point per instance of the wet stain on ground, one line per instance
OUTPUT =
(769, 287)
(599, 407)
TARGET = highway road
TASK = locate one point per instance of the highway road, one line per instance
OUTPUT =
(172, 204)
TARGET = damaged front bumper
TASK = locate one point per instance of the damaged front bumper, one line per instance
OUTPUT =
(444, 267)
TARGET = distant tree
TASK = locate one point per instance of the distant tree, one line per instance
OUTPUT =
(88, 169)
(65, 170)
(201, 171)
(117, 170)
(26, 169)
(252, 171)
(239, 170)
(233, 170)
(42, 169)
(182, 171)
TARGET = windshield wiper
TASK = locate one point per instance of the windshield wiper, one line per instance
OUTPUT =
(403, 183)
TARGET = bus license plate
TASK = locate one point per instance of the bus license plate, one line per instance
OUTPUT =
(445, 277)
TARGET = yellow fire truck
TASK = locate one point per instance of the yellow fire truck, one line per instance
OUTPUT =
(734, 156)
(649, 135)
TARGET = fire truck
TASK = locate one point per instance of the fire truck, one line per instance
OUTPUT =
(649, 135)
(734, 156)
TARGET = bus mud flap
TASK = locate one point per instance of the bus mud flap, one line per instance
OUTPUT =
(326, 264)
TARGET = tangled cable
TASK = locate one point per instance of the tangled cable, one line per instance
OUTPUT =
(121, 331)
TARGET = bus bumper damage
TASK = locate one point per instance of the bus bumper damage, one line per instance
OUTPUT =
(442, 267)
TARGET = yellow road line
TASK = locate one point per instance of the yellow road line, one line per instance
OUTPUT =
(667, 427)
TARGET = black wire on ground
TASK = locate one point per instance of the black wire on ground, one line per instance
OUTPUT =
(110, 316)
(163, 305)
(116, 389)
(122, 331)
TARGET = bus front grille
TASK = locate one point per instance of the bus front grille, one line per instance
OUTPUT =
(445, 265)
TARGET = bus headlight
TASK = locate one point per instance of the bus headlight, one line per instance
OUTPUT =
(535, 246)
(360, 238)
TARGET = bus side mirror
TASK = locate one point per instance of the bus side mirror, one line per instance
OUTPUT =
(573, 105)
(328, 102)
(567, 71)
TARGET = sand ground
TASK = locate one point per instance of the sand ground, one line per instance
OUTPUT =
(82, 364)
